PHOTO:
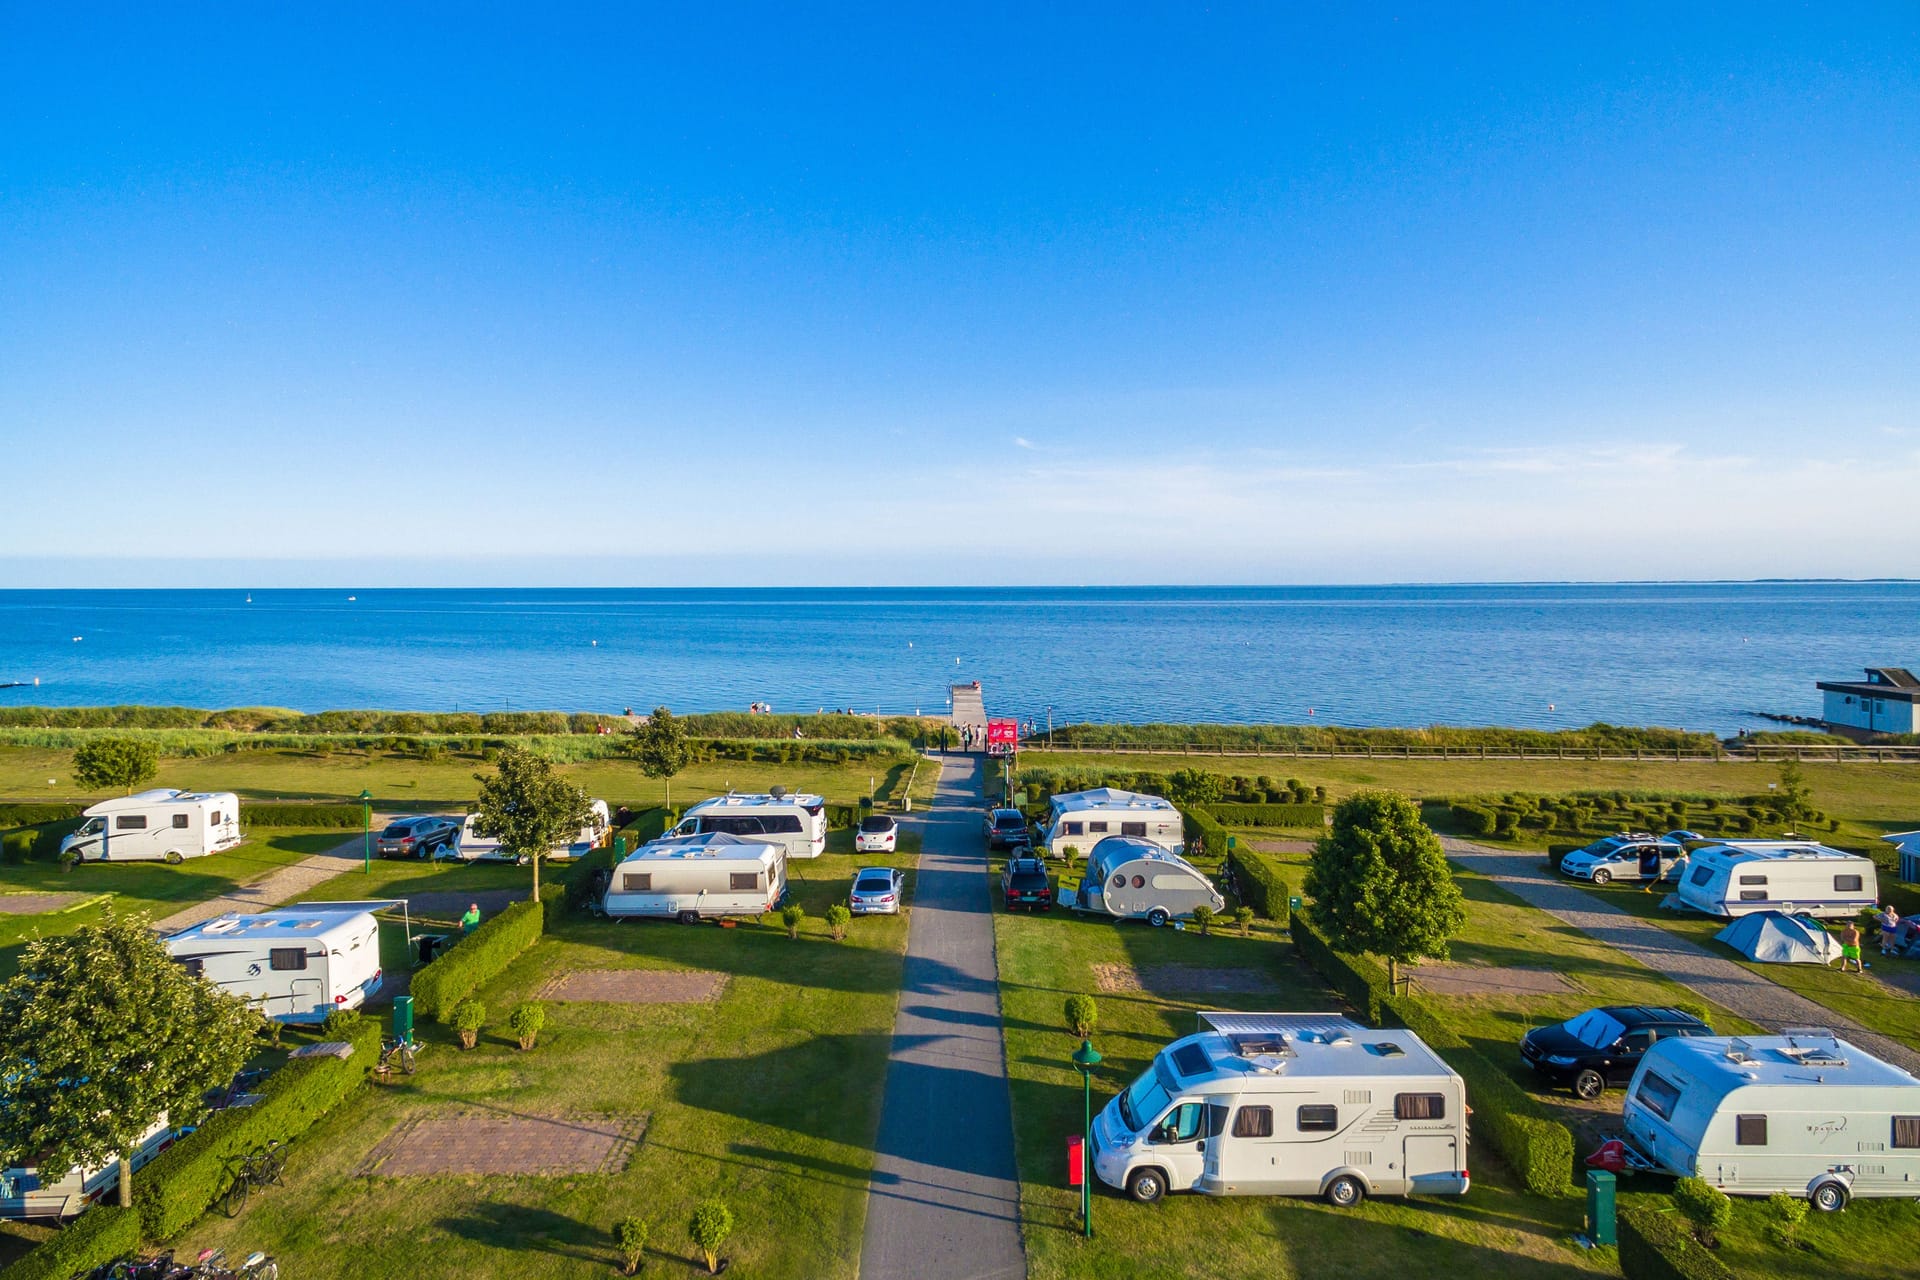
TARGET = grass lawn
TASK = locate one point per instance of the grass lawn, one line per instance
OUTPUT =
(768, 1098)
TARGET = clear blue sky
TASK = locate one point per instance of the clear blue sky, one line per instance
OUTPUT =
(335, 294)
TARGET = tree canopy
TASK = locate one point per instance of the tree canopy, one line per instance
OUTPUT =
(100, 1034)
(118, 763)
(660, 747)
(529, 807)
(1380, 883)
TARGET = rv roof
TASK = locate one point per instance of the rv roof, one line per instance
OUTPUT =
(1798, 1058)
(1779, 850)
(735, 800)
(1308, 1045)
(291, 922)
(711, 844)
(1110, 798)
(159, 795)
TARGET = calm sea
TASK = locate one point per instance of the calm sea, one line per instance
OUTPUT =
(1699, 656)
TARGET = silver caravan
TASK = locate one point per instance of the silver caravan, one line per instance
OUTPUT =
(1137, 879)
(688, 878)
(294, 964)
(1798, 877)
(1079, 820)
(157, 826)
(796, 823)
(1303, 1104)
(26, 1194)
(1803, 1113)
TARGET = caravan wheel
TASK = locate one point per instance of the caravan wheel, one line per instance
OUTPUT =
(688, 917)
(174, 858)
(1157, 917)
(1345, 1191)
(1829, 1197)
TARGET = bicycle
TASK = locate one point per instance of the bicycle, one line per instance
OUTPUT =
(393, 1053)
(211, 1265)
(260, 1168)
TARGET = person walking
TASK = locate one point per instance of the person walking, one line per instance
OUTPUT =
(1850, 947)
(1889, 926)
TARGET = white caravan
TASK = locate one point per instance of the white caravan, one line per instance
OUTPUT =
(1288, 1104)
(1802, 1113)
(1798, 877)
(599, 826)
(151, 826)
(1136, 879)
(1081, 819)
(294, 964)
(470, 846)
(687, 878)
(797, 823)
(24, 1194)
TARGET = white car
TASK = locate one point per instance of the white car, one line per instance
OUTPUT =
(877, 833)
(1628, 857)
(876, 892)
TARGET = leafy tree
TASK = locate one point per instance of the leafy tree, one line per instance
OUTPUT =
(791, 915)
(528, 807)
(1793, 798)
(709, 1228)
(119, 763)
(1187, 787)
(660, 745)
(1706, 1206)
(1082, 1015)
(526, 1020)
(1379, 882)
(632, 1235)
(838, 918)
(1203, 919)
(1243, 917)
(468, 1018)
(100, 1033)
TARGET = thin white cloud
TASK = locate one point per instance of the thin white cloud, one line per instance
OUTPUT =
(1021, 442)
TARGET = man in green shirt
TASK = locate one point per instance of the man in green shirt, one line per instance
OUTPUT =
(470, 921)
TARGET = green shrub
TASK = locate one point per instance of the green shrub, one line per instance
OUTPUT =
(1203, 832)
(1203, 919)
(1505, 823)
(1269, 815)
(1654, 1247)
(31, 814)
(1473, 819)
(337, 816)
(100, 1235)
(1082, 1016)
(1706, 1206)
(467, 1019)
(1363, 990)
(526, 1020)
(476, 959)
(631, 1235)
(838, 918)
(40, 842)
(1785, 1213)
(790, 916)
(711, 1224)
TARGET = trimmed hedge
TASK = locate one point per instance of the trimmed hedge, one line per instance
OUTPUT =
(477, 958)
(302, 815)
(1363, 988)
(1270, 815)
(1261, 885)
(40, 842)
(32, 814)
(1655, 1246)
(171, 1193)
(1199, 825)
(100, 1235)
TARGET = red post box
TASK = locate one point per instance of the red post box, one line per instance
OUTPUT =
(1074, 1163)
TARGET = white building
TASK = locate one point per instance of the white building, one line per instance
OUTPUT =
(1887, 701)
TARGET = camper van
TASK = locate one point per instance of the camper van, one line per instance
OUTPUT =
(1802, 1113)
(157, 826)
(1136, 879)
(599, 826)
(688, 878)
(295, 964)
(1304, 1104)
(1081, 819)
(468, 845)
(24, 1195)
(1797, 877)
(797, 823)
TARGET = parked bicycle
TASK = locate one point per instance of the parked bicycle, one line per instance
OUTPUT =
(260, 1168)
(395, 1054)
(212, 1265)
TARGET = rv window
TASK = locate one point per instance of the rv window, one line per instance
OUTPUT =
(194, 965)
(1700, 875)
(743, 880)
(1753, 879)
(1096, 826)
(1133, 828)
(785, 823)
(1172, 882)
(1657, 1095)
(1753, 895)
(1318, 1119)
(1074, 828)
(130, 822)
(1119, 882)
(1419, 1106)
(283, 958)
(1253, 1122)
(180, 823)
(1139, 882)
(1847, 884)
(636, 882)
(1750, 1131)
(216, 817)
(1216, 1119)
(1906, 1131)
(1182, 1123)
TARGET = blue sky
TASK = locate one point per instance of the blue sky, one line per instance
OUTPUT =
(571, 294)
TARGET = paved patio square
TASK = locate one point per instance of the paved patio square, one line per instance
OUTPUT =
(474, 1140)
(636, 986)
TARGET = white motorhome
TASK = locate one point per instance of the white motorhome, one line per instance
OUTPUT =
(599, 826)
(168, 826)
(295, 964)
(470, 846)
(1802, 1113)
(1081, 819)
(797, 823)
(1288, 1104)
(1136, 879)
(24, 1194)
(1799, 877)
(688, 878)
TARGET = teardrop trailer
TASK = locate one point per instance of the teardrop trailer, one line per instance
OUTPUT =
(1136, 879)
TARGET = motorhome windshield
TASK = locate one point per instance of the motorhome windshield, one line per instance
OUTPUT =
(1145, 1098)
(1594, 1028)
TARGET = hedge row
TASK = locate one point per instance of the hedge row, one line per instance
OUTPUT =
(647, 824)
(40, 842)
(1270, 815)
(1260, 885)
(100, 1235)
(477, 958)
(172, 1192)
(1653, 1246)
(303, 815)
(33, 814)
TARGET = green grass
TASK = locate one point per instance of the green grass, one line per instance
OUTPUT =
(769, 1099)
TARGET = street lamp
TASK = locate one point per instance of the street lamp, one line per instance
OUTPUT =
(1085, 1059)
(366, 828)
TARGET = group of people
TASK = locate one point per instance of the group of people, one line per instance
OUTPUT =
(1888, 920)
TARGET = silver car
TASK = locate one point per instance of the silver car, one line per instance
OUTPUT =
(876, 891)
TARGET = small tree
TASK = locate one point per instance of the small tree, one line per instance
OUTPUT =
(1191, 787)
(1793, 798)
(1243, 916)
(709, 1228)
(1379, 882)
(660, 747)
(1706, 1207)
(526, 1020)
(791, 915)
(528, 807)
(467, 1018)
(1082, 1016)
(632, 1233)
(1785, 1213)
(122, 764)
(838, 918)
(101, 1032)
(1203, 919)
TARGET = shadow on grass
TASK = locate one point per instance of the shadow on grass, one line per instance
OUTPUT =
(522, 1227)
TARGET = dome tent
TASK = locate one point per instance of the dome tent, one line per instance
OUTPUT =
(1773, 937)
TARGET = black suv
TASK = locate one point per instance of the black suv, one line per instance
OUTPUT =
(1602, 1046)
(1025, 883)
(1006, 828)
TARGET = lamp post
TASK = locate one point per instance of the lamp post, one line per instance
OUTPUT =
(366, 828)
(1085, 1059)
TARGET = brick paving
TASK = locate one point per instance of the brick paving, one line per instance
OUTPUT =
(465, 1141)
(1725, 983)
(636, 986)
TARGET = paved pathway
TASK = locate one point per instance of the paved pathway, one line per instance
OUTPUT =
(1718, 979)
(273, 888)
(945, 1199)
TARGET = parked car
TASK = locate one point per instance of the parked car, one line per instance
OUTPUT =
(876, 891)
(1637, 857)
(1006, 828)
(1602, 1047)
(1025, 883)
(416, 837)
(877, 833)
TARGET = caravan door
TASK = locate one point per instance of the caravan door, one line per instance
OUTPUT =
(1179, 1142)
(1241, 1152)
(1432, 1164)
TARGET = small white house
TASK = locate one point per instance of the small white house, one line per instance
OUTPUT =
(1797, 877)
(688, 878)
(1301, 1104)
(157, 826)
(797, 822)
(1081, 819)
(296, 964)
(26, 1194)
(1887, 701)
(1802, 1113)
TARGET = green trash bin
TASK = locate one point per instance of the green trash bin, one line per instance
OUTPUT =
(403, 1019)
(1600, 1187)
(619, 847)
